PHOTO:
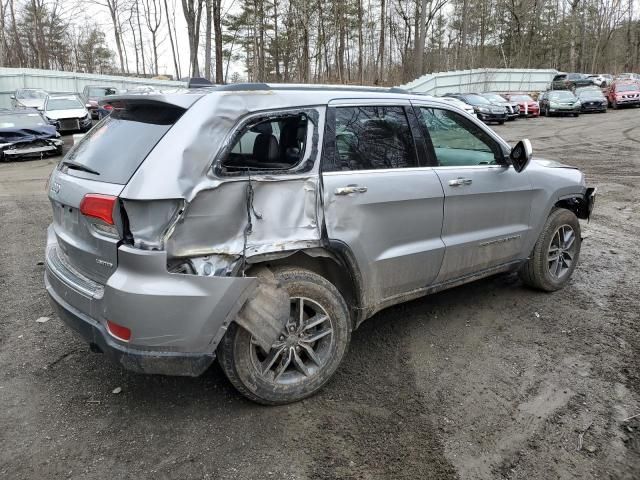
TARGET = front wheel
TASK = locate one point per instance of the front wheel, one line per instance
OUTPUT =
(307, 353)
(555, 254)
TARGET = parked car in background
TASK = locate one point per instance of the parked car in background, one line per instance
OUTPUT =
(142, 90)
(591, 99)
(559, 102)
(91, 94)
(104, 110)
(483, 108)
(459, 104)
(168, 247)
(570, 81)
(528, 106)
(634, 77)
(623, 93)
(601, 80)
(67, 113)
(512, 108)
(24, 133)
(28, 97)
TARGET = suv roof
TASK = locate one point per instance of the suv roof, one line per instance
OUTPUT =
(285, 94)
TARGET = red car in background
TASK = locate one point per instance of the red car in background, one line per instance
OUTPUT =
(528, 106)
(622, 93)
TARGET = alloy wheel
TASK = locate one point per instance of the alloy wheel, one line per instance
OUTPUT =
(562, 251)
(303, 348)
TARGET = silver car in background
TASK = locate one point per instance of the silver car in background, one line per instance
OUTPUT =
(67, 113)
(28, 98)
(263, 224)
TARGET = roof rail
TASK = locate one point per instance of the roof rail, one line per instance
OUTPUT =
(243, 87)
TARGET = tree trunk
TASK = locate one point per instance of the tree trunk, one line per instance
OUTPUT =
(217, 29)
(380, 66)
(173, 46)
(192, 10)
(207, 39)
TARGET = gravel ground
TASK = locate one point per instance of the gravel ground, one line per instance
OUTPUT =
(488, 380)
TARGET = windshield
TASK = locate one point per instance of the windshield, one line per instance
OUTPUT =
(627, 88)
(63, 104)
(566, 96)
(134, 131)
(31, 94)
(494, 97)
(20, 120)
(521, 98)
(477, 100)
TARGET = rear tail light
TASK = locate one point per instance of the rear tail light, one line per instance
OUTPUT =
(98, 206)
(108, 107)
(118, 331)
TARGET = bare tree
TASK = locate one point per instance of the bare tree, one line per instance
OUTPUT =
(153, 18)
(192, 10)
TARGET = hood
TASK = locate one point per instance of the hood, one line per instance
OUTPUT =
(26, 134)
(31, 102)
(72, 113)
(551, 163)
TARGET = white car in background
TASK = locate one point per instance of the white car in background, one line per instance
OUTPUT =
(67, 113)
(28, 98)
(459, 104)
(601, 80)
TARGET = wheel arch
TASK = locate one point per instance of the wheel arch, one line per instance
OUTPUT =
(580, 204)
(334, 262)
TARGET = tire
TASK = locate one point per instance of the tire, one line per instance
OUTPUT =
(240, 359)
(501, 122)
(576, 114)
(537, 271)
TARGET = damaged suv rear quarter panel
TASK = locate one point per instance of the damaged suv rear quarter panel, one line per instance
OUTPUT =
(282, 207)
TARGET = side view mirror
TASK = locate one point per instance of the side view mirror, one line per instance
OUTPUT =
(12, 97)
(521, 154)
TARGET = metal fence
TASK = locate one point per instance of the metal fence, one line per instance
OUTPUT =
(67, 82)
(482, 80)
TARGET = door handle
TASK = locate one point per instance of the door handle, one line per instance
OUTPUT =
(460, 181)
(350, 189)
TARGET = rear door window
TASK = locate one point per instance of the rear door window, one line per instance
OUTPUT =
(118, 145)
(372, 138)
(277, 143)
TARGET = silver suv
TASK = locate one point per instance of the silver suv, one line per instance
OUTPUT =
(263, 224)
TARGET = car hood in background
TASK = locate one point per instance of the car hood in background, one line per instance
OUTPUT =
(31, 102)
(73, 113)
(24, 127)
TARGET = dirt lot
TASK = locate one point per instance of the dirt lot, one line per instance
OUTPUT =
(486, 381)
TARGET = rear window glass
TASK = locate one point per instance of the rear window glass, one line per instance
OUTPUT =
(118, 145)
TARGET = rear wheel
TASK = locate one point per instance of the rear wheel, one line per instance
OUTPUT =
(307, 353)
(555, 254)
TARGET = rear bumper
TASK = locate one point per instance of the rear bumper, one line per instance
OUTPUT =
(176, 320)
(137, 360)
